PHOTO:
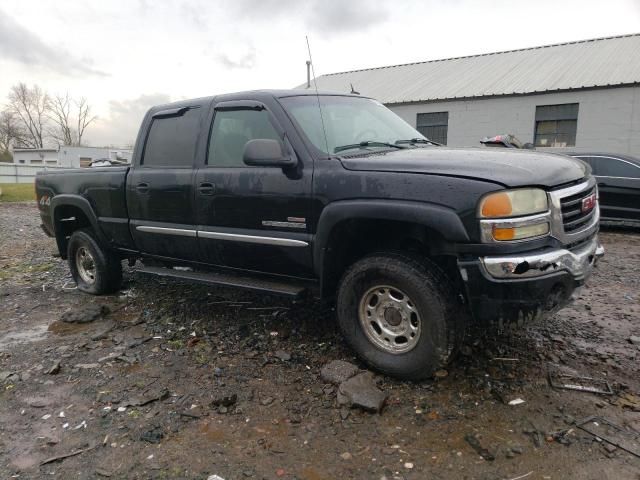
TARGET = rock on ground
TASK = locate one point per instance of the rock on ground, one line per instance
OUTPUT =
(361, 391)
(337, 371)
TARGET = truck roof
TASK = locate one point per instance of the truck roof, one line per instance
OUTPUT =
(251, 95)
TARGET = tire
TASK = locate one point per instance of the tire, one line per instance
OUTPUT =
(415, 300)
(94, 269)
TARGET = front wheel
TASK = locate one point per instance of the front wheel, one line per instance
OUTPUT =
(400, 314)
(94, 269)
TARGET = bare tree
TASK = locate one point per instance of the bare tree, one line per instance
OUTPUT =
(30, 106)
(69, 123)
(59, 112)
(84, 117)
(11, 134)
(44, 119)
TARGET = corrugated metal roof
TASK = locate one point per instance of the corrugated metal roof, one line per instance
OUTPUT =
(566, 66)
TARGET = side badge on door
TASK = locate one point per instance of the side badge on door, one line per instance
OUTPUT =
(292, 222)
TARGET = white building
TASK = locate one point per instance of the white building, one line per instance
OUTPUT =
(36, 156)
(68, 156)
(577, 96)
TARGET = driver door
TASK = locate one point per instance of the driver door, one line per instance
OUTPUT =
(248, 217)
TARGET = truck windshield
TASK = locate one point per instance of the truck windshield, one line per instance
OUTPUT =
(351, 123)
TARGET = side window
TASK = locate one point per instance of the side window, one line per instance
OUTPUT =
(594, 162)
(172, 140)
(231, 130)
(613, 167)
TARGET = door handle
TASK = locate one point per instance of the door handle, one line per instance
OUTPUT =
(142, 187)
(206, 188)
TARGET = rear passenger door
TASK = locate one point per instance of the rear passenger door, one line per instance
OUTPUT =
(160, 188)
(248, 217)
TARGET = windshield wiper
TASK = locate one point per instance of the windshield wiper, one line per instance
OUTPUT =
(366, 143)
(413, 141)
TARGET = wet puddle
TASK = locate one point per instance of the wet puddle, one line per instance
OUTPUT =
(31, 335)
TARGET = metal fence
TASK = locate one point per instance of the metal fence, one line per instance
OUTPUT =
(15, 173)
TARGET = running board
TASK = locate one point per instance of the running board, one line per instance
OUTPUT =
(228, 280)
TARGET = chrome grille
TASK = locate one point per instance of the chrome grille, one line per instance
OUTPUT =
(573, 218)
(568, 223)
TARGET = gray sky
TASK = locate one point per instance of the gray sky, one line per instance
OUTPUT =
(126, 55)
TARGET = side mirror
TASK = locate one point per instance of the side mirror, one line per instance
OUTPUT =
(263, 152)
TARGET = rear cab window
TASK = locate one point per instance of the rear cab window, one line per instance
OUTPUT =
(171, 141)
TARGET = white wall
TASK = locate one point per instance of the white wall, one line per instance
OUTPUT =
(608, 119)
(67, 156)
(15, 173)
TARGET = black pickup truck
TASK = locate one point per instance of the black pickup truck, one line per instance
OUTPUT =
(292, 191)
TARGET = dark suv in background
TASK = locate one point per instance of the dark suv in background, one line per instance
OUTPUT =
(618, 179)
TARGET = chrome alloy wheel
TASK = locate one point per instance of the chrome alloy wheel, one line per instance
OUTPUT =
(86, 265)
(390, 319)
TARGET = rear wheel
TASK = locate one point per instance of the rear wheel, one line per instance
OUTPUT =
(400, 314)
(94, 269)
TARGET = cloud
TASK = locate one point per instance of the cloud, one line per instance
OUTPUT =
(324, 17)
(195, 13)
(125, 116)
(247, 60)
(23, 46)
(345, 16)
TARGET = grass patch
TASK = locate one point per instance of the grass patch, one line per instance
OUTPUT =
(17, 192)
(13, 270)
(176, 344)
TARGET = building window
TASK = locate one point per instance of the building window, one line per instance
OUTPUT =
(556, 125)
(434, 126)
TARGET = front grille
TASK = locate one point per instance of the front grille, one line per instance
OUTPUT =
(573, 218)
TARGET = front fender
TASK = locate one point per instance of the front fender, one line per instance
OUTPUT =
(441, 219)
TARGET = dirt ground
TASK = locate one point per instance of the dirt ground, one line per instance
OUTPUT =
(147, 390)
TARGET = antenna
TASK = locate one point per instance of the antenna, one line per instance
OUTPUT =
(315, 84)
(353, 90)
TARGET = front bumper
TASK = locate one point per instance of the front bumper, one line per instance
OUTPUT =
(517, 287)
(578, 263)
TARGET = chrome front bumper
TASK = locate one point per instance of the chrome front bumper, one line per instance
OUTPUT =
(578, 263)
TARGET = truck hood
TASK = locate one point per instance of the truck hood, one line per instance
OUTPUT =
(508, 167)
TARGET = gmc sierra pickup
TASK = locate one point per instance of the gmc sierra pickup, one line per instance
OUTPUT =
(287, 191)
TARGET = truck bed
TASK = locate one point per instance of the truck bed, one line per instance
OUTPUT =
(104, 188)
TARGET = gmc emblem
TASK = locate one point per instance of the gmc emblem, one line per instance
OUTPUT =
(588, 203)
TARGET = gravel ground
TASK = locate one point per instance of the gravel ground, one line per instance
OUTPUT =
(183, 381)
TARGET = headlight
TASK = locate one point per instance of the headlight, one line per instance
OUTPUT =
(513, 203)
(514, 215)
